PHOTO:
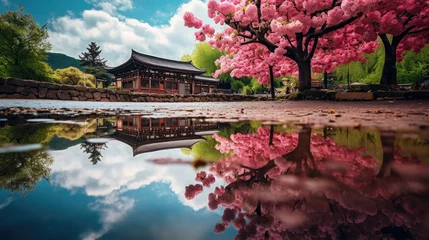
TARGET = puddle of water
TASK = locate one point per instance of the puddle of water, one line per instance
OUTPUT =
(130, 176)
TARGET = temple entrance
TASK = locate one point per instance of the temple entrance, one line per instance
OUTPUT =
(182, 88)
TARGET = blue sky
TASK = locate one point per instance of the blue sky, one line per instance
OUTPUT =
(154, 27)
(155, 12)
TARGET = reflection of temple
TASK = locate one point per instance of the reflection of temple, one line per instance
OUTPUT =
(154, 134)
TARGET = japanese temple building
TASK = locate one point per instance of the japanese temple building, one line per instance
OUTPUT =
(149, 74)
(154, 134)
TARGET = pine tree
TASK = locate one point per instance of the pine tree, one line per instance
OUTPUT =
(92, 58)
(94, 151)
(93, 63)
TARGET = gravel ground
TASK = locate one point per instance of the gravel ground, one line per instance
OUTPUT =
(387, 115)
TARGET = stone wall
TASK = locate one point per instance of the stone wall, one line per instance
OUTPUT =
(12, 88)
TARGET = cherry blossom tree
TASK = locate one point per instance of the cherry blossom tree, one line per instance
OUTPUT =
(308, 186)
(278, 33)
(406, 21)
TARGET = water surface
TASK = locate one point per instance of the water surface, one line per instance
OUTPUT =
(134, 177)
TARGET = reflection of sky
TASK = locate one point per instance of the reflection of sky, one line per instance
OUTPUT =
(120, 198)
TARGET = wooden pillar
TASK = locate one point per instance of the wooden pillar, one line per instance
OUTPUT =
(150, 82)
(192, 85)
(139, 81)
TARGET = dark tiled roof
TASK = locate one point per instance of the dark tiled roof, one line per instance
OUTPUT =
(153, 147)
(166, 63)
(141, 146)
(206, 79)
(156, 63)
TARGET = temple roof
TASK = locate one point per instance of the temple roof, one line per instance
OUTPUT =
(151, 145)
(206, 79)
(156, 63)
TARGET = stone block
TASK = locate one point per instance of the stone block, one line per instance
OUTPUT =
(49, 86)
(16, 82)
(15, 96)
(354, 96)
(97, 96)
(74, 93)
(141, 99)
(31, 96)
(8, 89)
(422, 94)
(52, 94)
(82, 98)
(42, 92)
(149, 99)
(67, 87)
(105, 100)
(75, 99)
(24, 91)
(89, 95)
(63, 95)
(93, 90)
(80, 88)
(113, 98)
(35, 91)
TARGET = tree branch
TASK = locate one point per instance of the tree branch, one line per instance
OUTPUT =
(334, 27)
(249, 42)
(419, 31)
(313, 50)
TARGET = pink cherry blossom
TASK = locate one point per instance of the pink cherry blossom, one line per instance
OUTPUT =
(265, 197)
(284, 25)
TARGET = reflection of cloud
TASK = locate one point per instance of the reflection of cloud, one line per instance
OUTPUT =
(112, 209)
(5, 3)
(119, 171)
(6, 203)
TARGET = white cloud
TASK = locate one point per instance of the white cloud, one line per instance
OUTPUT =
(120, 172)
(112, 209)
(117, 35)
(111, 6)
(6, 203)
(5, 3)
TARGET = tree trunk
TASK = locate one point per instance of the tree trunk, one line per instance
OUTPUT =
(388, 76)
(273, 94)
(304, 67)
(389, 70)
(271, 135)
(388, 145)
(325, 80)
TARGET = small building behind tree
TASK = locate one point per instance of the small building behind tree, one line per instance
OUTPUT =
(150, 74)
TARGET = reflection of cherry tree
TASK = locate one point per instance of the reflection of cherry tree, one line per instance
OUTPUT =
(304, 186)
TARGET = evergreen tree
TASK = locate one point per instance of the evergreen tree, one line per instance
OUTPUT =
(94, 151)
(92, 58)
(93, 63)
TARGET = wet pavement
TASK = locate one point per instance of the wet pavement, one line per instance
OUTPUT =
(412, 114)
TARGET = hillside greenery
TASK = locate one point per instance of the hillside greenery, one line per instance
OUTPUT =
(59, 60)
